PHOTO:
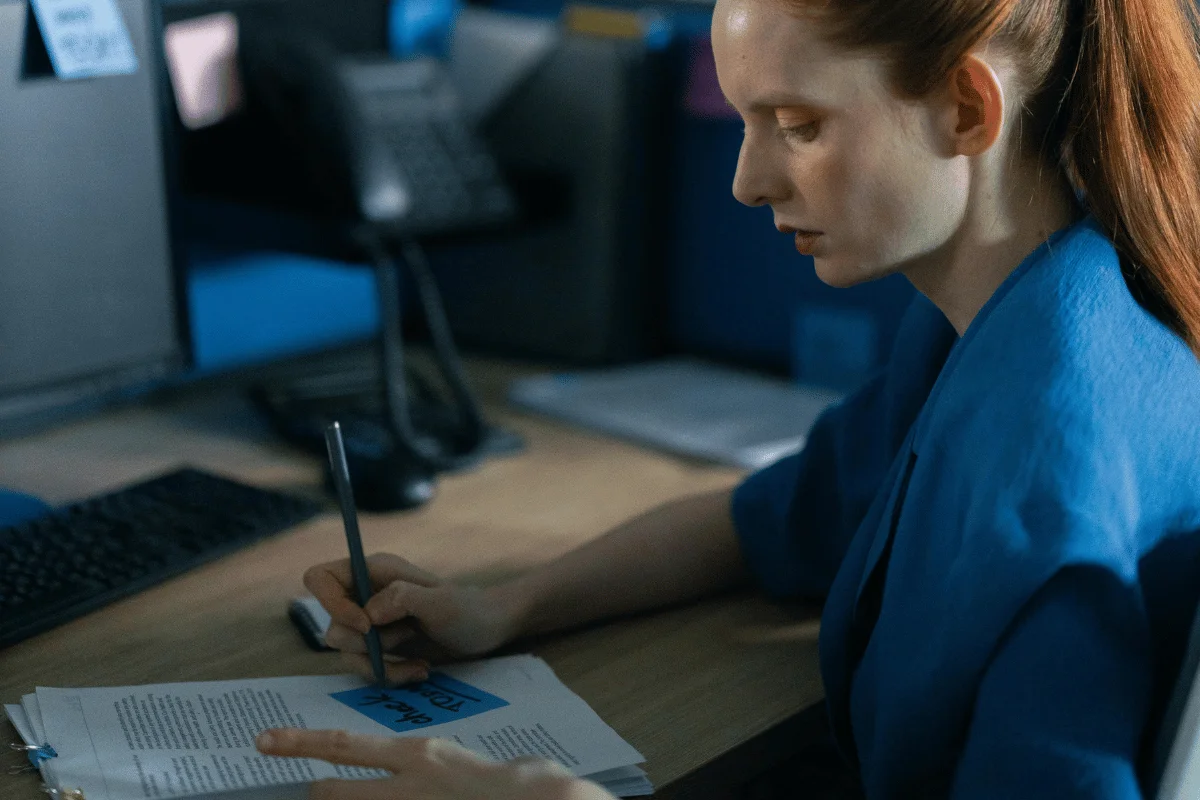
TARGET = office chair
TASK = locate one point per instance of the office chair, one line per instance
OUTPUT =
(1179, 748)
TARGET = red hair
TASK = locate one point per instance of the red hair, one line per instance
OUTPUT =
(1112, 96)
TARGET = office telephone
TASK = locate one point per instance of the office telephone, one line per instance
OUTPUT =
(383, 141)
(387, 149)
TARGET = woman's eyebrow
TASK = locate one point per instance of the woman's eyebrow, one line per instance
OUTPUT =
(777, 101)
(772, 103)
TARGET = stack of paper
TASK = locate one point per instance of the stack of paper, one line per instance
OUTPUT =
(685, 406)
(197, 739)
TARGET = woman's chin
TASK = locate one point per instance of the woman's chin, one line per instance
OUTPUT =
(839, 274)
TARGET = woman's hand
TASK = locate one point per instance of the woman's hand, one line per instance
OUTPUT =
(425, 769)
(420, 618)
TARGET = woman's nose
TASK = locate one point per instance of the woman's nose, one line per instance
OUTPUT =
(757, 180)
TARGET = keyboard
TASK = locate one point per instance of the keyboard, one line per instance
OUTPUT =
(88, 554)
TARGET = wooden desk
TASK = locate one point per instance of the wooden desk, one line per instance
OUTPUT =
(689, 687)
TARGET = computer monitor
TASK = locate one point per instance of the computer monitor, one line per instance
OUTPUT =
(89, 297)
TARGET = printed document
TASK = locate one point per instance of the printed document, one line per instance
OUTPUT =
(196, 740)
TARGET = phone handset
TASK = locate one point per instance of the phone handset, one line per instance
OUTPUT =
(294, 76)
(384, 140)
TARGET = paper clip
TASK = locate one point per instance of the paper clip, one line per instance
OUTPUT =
(63, 794)
(24, 748)
(21, 769)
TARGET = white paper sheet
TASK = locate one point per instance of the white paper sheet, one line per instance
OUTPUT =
(197, 739)
(34, 714)
(16, 715)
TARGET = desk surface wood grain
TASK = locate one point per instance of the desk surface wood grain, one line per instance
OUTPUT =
(684, 685)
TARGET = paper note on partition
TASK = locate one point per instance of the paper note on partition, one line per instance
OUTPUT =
(85, 38)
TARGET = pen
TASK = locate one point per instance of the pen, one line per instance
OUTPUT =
(358, 562)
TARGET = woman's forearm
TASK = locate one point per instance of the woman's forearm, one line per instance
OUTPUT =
(675, 552)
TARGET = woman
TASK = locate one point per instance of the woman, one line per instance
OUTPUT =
(1006, 524)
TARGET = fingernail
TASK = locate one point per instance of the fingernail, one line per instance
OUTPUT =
(265, 740)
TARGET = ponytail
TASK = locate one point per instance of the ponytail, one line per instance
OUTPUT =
(1132, 146)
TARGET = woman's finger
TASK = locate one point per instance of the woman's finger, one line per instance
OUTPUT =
(401, 599)
(537, 765)
(334, 746)
(399, 670)
(404, 754)
(349, 640)
(388, 567)
(330, 583)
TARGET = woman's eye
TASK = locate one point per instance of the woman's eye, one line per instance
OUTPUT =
(801, 133)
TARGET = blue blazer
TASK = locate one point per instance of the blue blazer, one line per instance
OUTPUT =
(1006, 530)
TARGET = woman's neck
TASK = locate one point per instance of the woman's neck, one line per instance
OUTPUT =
(1011, 212)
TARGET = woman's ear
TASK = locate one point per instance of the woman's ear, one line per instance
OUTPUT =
(978, 106)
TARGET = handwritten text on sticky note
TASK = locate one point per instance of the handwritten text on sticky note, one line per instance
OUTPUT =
(85, 38)
(435, 701)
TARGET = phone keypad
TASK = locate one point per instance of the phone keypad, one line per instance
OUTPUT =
(454, 181)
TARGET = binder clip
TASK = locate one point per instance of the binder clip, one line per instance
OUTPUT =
(35, 753)
(21, 769)
(63, 794)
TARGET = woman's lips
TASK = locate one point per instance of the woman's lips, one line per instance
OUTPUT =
(806, 241)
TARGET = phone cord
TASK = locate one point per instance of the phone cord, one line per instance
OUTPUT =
(425, 449)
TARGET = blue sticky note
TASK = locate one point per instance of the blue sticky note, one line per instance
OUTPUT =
(435, 701)
(85, 38)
